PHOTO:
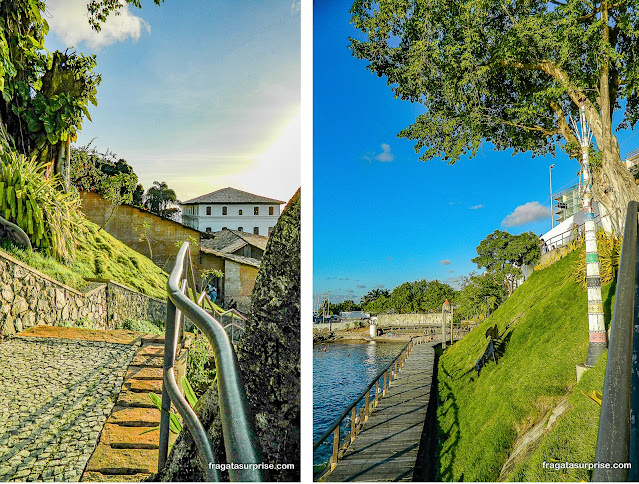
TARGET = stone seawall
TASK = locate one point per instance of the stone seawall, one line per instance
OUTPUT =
(29, 298)
(408, 320)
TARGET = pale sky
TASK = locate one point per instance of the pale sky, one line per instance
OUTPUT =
(202, 94)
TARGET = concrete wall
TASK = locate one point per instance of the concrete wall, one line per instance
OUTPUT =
(408, 320)
(127, 223)
(29, 298)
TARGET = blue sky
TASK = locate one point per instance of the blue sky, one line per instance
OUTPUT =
(202, 94)
(381, 216)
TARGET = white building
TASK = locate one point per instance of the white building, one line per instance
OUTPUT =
(232, 209)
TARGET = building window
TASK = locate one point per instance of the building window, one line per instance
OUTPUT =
(256, 230)
(270, 229)
(239, 212)
(241, 229)
(256, 210)
(208, 210)
(208, 229)
(224, 211)
(270, 210)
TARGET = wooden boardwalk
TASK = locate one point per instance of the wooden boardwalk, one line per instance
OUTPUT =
(386, 448)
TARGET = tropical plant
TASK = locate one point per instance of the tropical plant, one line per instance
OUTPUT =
(200, 369)
(174, 424)
(609, 249)
(51, 218)
(159, 198)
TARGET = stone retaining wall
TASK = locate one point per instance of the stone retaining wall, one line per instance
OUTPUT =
(29, 297)
(408, 320)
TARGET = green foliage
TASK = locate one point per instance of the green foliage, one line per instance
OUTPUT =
(189, 394)
(504, 254)
(44, 95)
(142, 326)
(200, 370)
(480, 294)
(174, 424)
(103, 256)
(159, 198)
(51, 218)
(343, 307)
(480, 420)
(409, 297)
(609, 255)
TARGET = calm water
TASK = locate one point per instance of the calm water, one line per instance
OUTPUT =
(340, 374)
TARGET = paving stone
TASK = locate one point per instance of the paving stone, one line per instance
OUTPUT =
(99, 477)
(131, 399)
(141, 360)
(144, 373)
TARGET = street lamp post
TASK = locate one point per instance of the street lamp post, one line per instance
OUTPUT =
(552, 217)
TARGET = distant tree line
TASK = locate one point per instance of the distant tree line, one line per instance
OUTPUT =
(501, 254)
(114, 179)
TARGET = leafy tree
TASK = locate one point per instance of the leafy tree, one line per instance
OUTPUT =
(344, 306)
(480, 293)
(45, 95)
(409, 297)
(372, 295)
(504, 254)
(159, 198)
(511, 73)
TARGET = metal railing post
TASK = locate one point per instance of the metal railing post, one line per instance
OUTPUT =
(613, 439)
(165, 414)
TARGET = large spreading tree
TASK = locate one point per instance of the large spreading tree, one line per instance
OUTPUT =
(511, 73)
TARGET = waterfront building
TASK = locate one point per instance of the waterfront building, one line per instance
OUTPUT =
(233, 209)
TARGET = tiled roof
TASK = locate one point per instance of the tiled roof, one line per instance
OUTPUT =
(228, 240)
(231, 195)
(258, 241)
(236, 258)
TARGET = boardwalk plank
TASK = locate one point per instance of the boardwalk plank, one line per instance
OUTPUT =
(386, 448)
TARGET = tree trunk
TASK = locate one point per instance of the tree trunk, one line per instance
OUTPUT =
(614, 187)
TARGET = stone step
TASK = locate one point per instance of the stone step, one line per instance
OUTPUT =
(151, 350)
(120, 437)
(153, 361)
(109, 461)
(144, 373)
(134, 417)
(90, 476)
(153, 339)
(143, 386)
(132, 399)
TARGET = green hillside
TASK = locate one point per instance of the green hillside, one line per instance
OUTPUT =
(480, 420)
(100, 256)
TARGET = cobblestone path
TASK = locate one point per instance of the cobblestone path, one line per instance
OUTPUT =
(55, 395)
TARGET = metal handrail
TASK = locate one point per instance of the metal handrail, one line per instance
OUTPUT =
(240, 441)
(234, 314)
(618, 427)
(352, 408)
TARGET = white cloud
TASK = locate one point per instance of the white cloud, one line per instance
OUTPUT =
(526, 213)
(444, 262)
(68, 19)
(476, 207)
(386, 154)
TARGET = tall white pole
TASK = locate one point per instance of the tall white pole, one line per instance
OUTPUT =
(596, 326)
(552, 215)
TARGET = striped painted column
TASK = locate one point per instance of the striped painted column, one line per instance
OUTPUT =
(596, 325)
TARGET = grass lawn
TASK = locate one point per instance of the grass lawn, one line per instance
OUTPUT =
(100, 256)
(480, 419)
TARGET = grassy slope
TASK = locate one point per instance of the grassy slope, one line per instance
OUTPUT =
(480, 420)
(101, 256)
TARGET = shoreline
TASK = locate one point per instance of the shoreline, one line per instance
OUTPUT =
(360, 336)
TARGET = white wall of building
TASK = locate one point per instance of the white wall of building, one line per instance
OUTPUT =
(196, 217)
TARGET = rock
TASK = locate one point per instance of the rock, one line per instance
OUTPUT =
(7, 327)
(60, 300)
(7, 293)
(20, 305)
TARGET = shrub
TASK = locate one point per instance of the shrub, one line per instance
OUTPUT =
(201, 365)
(609, 254)
(50, 217)
(141, 325)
